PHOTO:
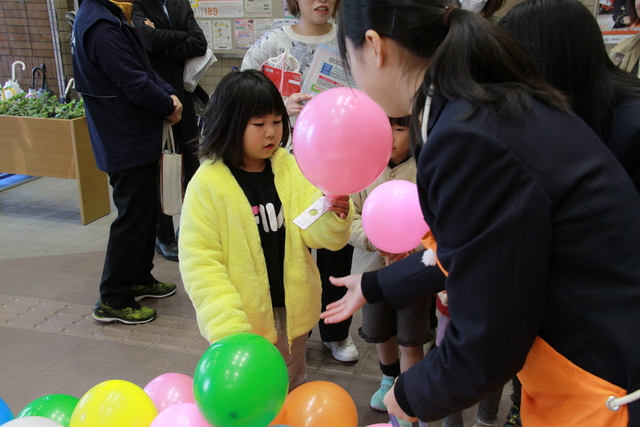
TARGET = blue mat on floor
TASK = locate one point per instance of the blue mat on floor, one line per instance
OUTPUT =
(8, 180)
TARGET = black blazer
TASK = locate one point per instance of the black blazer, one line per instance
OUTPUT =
(538, 226)
(172, 41)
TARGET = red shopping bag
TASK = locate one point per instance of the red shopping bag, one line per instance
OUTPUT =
(287, 82)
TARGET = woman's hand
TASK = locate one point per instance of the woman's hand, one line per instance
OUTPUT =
(339, 205)
(294, 105)
(394, 409)
(149, 23)
(350, 303)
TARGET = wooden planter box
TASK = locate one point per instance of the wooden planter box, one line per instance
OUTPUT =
(55, 148)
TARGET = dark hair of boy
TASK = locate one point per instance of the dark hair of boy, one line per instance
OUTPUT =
(294, 9)
(566, 43)
(238, 97)
(400, 121)
(465, 56)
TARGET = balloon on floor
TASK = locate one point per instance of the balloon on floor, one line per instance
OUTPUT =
(170, 389)
(319, 404)
(32, 422)
(5, 412)
(240, 381)
(114, 403)
(342, 141)
(57, 407)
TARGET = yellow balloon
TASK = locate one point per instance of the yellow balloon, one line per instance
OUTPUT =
(114, 403)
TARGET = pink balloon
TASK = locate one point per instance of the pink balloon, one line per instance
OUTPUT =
(342, 141)
(170, 389)
(392, 218)
(180, 415)
(380, 425)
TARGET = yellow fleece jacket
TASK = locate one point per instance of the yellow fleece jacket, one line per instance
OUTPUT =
(221, 258)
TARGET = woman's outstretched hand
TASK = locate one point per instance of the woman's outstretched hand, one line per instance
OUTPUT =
(352, 301)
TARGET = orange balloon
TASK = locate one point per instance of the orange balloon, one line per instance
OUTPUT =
(319, 404)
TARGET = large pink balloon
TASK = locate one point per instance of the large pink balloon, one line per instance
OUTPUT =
(180, 415)
(342, 141)
(170, 389)
(392, 218)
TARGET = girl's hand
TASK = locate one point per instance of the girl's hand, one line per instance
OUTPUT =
(339, 205)
(352, 301)
(391, 258)
(394, 409)
(294, 105)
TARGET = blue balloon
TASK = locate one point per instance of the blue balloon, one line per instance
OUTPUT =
(5, 413)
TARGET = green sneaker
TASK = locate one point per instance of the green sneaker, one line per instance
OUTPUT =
(127, 315)
(513, 417)
(377, 400)
(154, 290)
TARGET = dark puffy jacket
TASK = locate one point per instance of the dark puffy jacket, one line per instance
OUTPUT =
(125, 100)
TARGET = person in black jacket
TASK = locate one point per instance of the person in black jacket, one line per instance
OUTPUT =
(171, 35)
(535, 226)
(572, 57)
(126, 104)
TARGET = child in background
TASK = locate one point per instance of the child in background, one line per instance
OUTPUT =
(301, 41)
(245, 265)
(399, 336)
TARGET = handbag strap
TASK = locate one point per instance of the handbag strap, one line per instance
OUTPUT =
(168, 144)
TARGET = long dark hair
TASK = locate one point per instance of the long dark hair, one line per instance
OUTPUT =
(565, 41)
(469, 58)
(238, 97)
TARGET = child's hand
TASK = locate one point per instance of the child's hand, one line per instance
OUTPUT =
(294, 105)
(339, 205)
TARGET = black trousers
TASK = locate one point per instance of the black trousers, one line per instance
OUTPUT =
(131, 244)
(336, 264)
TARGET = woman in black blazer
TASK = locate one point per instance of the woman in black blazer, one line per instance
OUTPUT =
(536, 223)
(171, 35)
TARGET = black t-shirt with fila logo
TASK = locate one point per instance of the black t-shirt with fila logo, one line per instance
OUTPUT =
(260, 189)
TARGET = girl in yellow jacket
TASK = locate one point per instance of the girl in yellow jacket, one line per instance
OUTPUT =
(245, 265)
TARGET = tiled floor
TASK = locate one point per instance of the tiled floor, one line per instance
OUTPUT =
(50, 267)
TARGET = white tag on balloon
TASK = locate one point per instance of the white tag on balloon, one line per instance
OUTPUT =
(313, 213)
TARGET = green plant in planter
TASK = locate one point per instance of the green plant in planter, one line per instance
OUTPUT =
(46, 106)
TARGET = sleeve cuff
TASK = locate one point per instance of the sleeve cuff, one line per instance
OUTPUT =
(370, 286)
(401, 397)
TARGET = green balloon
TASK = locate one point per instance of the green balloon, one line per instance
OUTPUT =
(57, 407)
(240, 381)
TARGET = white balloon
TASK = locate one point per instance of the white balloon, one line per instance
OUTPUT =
(32, 422)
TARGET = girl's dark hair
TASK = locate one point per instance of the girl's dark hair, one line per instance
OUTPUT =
(491, 7)
(565, 41)
(400, 121)
(293, 7)
(239, 96)
(469, 58)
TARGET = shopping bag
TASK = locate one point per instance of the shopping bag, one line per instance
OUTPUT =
(278, 70)
(170, 174)
(194, 69)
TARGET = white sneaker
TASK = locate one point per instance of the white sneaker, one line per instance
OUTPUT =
(344, 351)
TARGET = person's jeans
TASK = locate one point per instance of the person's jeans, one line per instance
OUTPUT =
(487, 411)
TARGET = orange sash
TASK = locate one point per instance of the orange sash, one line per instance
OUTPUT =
(555, 392)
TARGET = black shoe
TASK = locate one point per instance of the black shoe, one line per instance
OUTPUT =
(168, 251)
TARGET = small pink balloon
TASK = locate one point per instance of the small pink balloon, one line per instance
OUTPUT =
(180, 415)
(392, 219)
(170, 389)
(342, 141)
(380, 425)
